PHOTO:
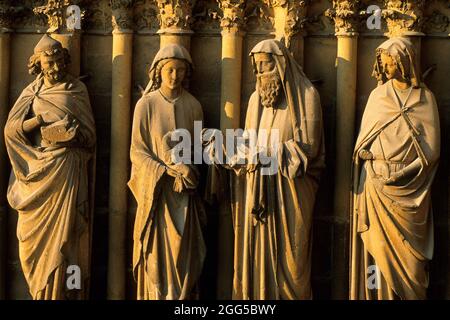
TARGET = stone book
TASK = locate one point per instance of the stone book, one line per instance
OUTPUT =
(58, 132)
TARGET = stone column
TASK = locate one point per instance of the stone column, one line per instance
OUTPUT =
(120, 146)
(230, 112)
(289, 19)
(72, 42)
(5, 40)
(232, 36)
(63, 29)
(345, 14)
(405, 18)
(175, 22)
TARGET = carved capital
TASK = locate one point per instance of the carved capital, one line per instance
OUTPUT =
(122, 15)
(233, 19)
(404, 17)
(437, 18)
(294, 12)
(175, 14)
(258, 17)
(346, 16)
(56, 12)
(145, 16)
(7, 15)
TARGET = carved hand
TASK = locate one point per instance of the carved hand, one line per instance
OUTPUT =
(172, 172)
(208, 141)
(395, 176)
(61, 132)
(73, 127)
(189, 173)
(365, 154)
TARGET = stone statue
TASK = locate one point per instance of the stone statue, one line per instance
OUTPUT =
(169, 248)
(394, 163)
(273, 226)
(50, 138)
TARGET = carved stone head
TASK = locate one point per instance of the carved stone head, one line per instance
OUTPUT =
(395, 59)
(390, 67)
(49, 59)
(171, 73)
(268, 79)
(171, 67)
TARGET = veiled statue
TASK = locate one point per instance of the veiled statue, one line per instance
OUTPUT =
(50, 139)
(273, 201)
(169, 248)
(394, 164)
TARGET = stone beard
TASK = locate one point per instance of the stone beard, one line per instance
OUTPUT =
(50, 138)
(269, 88)
(54, 73)
(272, 227)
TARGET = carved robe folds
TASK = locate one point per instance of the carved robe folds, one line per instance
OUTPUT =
(169, 248)
(272, 214)
(50, 188)
(392, 223)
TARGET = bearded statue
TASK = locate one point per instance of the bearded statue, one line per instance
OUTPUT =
(50, 138)
(272, 206)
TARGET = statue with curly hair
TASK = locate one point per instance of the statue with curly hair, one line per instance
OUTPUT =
(50, 139)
